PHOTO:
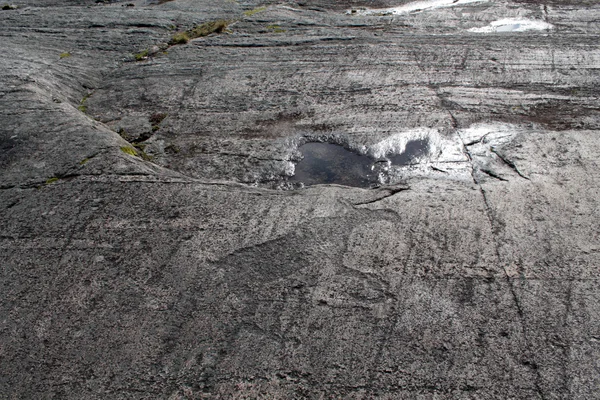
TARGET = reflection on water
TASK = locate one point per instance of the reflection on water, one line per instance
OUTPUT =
(324, 163)
(414, 150)
(331, 163)
(508, 28)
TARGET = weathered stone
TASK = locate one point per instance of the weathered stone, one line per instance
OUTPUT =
(184, 268)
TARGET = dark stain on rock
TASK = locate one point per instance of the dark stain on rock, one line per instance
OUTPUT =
(7, 144)
(466, 291)
(326, 163)
(7, 150)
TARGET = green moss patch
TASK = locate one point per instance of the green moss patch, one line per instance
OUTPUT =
(179, 38)
(207, 28)
(129, 150)
(257, 10)
(82, 107)
(138, 151)
(140, 147)
(275, 28)
(141, 56)
(201, 30)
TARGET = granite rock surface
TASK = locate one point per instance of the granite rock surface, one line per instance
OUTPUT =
(154, 243)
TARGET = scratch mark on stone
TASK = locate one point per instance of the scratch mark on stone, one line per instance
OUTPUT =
(518, 306)
(493, 174)
(390, 193)
(509, 162)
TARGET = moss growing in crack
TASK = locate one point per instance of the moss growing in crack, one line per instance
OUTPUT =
(50, 181)
(65, 55)
(207, 28)
(137, 151)
(257, 10)
(123, 134)
(157, 118)
(84, 161)
(201, 30)
(276, 29)
(82, 107)
(129, 150)
(179, 38)
(141, 56)
(140, 147)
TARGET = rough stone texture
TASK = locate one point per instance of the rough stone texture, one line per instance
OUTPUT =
(188, 273)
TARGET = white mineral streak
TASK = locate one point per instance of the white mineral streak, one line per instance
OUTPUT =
(513, 25)
(416, 6)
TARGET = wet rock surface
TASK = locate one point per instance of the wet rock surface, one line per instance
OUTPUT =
(155, 244)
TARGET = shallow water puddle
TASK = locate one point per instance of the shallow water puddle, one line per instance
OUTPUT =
(325, 163)
(331, 163)
(414, 150)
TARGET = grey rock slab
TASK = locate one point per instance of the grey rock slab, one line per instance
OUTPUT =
(148, 248)
(560, 240)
